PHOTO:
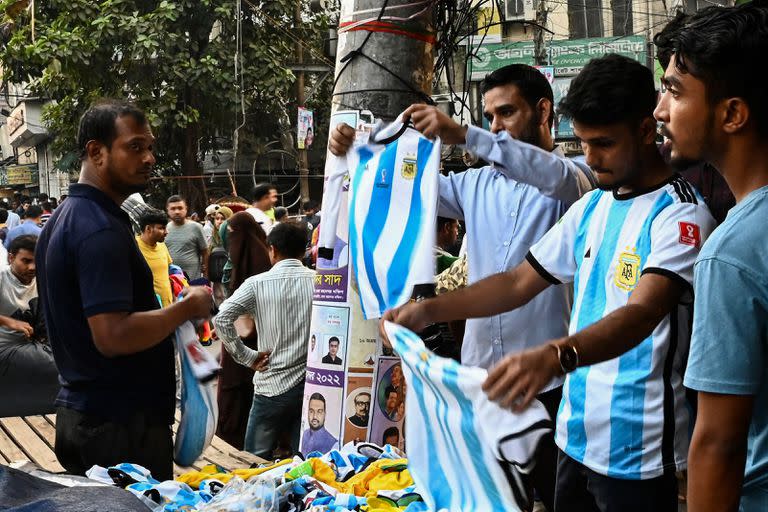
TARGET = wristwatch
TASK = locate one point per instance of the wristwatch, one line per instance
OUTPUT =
(568, 357)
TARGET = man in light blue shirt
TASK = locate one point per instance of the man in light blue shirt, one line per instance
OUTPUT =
(507, 206)
(30, 225)
(714, 110)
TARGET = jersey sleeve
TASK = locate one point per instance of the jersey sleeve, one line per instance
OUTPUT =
(727, 354)
(553, 255)
(555, 176)
(336, 168)
(677, 235)
(104, 273)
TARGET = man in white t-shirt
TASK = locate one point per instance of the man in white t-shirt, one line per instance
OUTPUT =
(263, 201)
(30, 380)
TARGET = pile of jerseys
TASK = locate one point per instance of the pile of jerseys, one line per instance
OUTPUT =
(362, 477)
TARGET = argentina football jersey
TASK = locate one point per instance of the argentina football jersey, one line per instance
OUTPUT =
(392, 216)
(626, 417)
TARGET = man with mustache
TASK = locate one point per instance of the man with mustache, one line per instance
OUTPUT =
(110, 338)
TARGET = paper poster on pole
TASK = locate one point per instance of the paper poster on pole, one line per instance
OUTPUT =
(306, 129)
(346, 375)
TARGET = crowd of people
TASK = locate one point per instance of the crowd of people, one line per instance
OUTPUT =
(609, 287)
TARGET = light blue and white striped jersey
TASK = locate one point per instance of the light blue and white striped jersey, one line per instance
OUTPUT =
(392, 217)
(626, 417)
(464, 451)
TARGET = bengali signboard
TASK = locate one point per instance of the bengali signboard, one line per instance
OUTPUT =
(566, 56)
(21, 175)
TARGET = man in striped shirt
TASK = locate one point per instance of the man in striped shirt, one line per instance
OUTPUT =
(280, 302)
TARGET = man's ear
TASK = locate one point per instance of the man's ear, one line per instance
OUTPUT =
(647, 130)
(95, 151)
(544, 109)
(734, 115)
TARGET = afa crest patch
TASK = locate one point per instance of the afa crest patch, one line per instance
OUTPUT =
(408, 171)
(627, 271)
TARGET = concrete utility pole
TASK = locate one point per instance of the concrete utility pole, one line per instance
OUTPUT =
(364, 85)
(539, 48)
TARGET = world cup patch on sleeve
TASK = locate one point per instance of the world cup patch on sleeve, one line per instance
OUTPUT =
(690, 234)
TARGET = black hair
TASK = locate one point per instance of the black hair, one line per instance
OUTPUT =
(46, 205)
(33, 212)
(98, 122)
(609, 90)
(42, 197)
(665, 40)
(316, 396)
(3, 215)
(152, 217)
(722, 46)
(391, 431)
(531, 82)
(442, 221)
(261, 190)
(175, 199)
(280, 212)
(388, 390)
(289, 239)
(332, 339)
(310, 204)
(26, 242)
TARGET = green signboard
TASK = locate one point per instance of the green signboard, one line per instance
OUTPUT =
(566, 56)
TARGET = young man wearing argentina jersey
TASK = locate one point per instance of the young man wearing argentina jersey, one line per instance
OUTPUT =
(629, 249)
(715, 109)
(506, 207)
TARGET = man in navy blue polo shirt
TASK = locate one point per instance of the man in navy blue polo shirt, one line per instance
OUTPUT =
(109, 336)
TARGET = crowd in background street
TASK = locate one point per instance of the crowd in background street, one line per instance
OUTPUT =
(625, 290)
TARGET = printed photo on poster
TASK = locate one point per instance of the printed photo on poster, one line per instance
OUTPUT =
(323, 411)
(327, 344)
(306, 132)
(388, 403)
(357, 409)
(333, 354)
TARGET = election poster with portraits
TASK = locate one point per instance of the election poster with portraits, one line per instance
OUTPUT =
(347, 378)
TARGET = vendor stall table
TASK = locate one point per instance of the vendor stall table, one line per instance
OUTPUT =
(31, 438)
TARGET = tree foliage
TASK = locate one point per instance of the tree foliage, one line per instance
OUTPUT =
(174, 58)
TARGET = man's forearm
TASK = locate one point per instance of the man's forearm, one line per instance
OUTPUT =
(615, 334)
(227, 333)
(131, 333)
(554, 176)
(715, 475)
(493, 295)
